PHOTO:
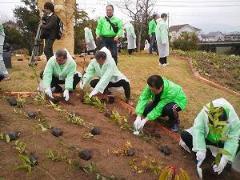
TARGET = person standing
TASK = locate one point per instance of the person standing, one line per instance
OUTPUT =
(3, 70)
(151, 32)
(109, 30)
(162, 40)
(49, 29)
(131, 37)
(89, 40)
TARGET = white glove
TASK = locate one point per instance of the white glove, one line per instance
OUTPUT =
(81, 84)
(137, 123)
(220, 167)
(142, 123)
(48, 92)
(94, 92)
(66, 94)
(200, 156)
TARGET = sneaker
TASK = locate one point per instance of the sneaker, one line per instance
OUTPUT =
(175, 128)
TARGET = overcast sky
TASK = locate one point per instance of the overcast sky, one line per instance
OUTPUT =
(208, 15)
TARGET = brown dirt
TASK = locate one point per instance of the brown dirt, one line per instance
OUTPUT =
(112, 138)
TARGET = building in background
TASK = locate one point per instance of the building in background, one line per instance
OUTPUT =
(212, 37)
(176, 30)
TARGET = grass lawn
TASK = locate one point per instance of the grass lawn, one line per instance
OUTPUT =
(137, 68)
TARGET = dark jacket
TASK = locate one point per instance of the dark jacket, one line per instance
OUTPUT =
(49, 27)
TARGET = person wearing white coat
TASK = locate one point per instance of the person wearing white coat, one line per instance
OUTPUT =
(104, 68)
(131, 37)
(3, 69)
(89, 40)
(162, 39)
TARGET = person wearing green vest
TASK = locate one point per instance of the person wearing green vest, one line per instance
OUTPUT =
(151, 32)
(102, 73)
(109, 30)
(60, 69)
(216, 126)
(160, 98)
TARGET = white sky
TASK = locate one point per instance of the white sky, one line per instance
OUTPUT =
(209, 15)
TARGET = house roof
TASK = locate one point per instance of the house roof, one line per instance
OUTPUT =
(178, 27)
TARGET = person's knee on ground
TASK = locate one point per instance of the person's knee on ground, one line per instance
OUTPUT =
(186, 141)
(94, 82)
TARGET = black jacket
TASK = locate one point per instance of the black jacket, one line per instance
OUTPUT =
(49, 27)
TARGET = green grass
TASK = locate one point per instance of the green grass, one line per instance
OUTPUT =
(137, 68)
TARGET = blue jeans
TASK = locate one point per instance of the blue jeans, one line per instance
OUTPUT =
(109, 43)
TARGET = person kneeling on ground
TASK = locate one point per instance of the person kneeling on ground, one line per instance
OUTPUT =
(105, 69)
(60, 69)
(216, 126)
(160, 97)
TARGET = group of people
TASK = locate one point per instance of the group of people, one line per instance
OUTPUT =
(160, 100)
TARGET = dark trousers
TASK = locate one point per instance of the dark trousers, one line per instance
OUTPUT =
(130, 51)
(122, 83)
(153, 44)
(55, 82)
(163, 60)
(48, 49)
(91, 51)
(111, 45)
(167, 111)
(188, 139)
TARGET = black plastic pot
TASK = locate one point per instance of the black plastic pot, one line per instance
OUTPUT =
(12, 101)
(57, 132)
(85, 154)
(32, 114)
(13, 135)
(96, 131)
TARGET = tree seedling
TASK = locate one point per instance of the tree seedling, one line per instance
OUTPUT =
(120, 120)
(85, 154)
(26, 163)
(55, 156)
(56, 132)
(20, 147)
(94, 101)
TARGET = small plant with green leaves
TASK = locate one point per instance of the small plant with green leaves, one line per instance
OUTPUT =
(77, 120)
(216, 125)
(26, 163)
(120, 120)
(40, 98)
(55, 155)
(20, 147)
(94, 101)
(21, 102)
(92, 169)
(56, 107)
(171, 173)
(5, 137)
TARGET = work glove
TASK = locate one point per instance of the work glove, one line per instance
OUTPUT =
(81, 84)
(200, 156)
(66, 94)
(93, 93)
(220, 167)
(137, 123)
(142, 123)
(48, 92)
